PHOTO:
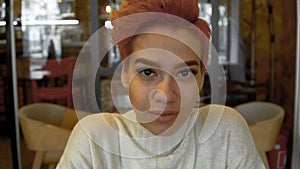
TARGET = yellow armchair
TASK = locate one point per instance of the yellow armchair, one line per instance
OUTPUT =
(264, 120)
(46, 128)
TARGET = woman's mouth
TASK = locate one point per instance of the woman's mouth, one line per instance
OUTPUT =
(163, 116)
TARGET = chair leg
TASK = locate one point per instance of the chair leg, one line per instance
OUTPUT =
(38, 159)
(51, 166)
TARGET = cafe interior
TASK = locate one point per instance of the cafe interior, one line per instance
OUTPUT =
(44, 80)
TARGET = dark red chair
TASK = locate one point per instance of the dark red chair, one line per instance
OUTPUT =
(57, 86)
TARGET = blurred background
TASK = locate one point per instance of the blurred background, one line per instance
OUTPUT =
(255, 40)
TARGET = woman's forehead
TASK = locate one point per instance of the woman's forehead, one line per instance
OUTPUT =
(166, 42)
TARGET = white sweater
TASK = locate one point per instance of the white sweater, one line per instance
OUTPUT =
(214, 137)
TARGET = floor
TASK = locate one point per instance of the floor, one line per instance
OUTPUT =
(6, 155)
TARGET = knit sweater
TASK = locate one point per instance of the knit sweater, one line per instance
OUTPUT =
(213, 137)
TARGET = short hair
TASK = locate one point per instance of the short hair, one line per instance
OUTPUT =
(185, 9)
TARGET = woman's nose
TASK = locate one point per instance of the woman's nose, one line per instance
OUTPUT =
(166, 90)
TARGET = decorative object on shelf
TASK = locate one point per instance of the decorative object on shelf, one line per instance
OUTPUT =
(42, 23)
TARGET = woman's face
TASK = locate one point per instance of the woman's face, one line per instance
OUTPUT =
(164, 78)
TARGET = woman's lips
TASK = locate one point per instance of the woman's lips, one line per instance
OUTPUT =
(163, 116)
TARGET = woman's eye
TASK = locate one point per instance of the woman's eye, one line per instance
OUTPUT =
(186, 73)
(147, 72)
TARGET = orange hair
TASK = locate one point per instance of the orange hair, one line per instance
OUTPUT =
(186, 9)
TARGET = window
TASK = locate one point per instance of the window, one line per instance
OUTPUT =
(223, 18)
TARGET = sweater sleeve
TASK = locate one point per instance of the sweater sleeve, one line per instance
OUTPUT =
(77, 153)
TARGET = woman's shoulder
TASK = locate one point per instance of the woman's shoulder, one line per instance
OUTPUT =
(95, 127)
(216, 119)
(101, 120)
(225, 114)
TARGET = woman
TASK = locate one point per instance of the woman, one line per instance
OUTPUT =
(163, 70)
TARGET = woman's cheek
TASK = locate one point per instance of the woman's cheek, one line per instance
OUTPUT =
(189, 95)
(139, 97)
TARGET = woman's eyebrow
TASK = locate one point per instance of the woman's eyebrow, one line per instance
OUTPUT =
(147, 62)
(188, 63)
(155, 64)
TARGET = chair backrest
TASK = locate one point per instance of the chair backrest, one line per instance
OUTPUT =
(43, 112)
(60, 68)
(260, 112)
(63, 68)
(41, 126)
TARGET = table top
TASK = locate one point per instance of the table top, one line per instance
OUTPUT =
(34, 75)
(30, 69)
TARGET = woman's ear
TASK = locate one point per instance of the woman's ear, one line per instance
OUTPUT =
(124, 76)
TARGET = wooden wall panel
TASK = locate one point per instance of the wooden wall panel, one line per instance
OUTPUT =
(82, 13)
(285, 52)
(285, 66)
